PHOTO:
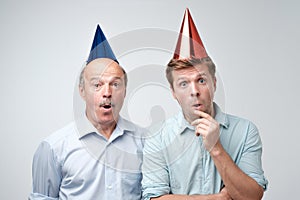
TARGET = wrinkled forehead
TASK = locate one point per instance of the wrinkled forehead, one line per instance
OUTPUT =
(103, 68)
(197, 70)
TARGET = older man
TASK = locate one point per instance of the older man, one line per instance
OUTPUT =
(201, 153)
(99, 155)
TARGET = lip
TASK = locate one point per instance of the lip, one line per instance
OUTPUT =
(197, 106)
(106, 107)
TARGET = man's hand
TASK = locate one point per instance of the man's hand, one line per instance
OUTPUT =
(224, 194)
(208, 128)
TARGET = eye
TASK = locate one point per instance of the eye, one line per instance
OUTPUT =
(97, 85)
(202, 81)
(183, 84)
(116, 84)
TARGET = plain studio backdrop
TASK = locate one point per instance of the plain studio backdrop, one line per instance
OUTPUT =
(45, 43)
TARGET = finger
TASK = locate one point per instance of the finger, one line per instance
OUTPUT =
(195, 122)
(200, 121)
(200, 131)
(202, 114)
(202, 126)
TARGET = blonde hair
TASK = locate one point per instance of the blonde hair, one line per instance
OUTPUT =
(176, 64)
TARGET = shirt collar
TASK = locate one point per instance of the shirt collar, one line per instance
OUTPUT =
(125, 125)
(220, 117)
(85, 127)
(183, 123)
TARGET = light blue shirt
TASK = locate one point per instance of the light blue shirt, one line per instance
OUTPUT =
(176, 162)
(77, 162)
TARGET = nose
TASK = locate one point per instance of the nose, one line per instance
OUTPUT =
(107, 91)
(194, 90)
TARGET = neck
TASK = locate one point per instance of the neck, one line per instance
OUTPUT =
(106, 129)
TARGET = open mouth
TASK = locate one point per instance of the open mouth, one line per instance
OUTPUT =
(108, 106)
(197, 106)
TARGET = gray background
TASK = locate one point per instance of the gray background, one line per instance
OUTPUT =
(44, 44)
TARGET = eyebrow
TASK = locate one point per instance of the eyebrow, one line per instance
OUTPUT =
(116, 78)
(95, 78)
(202, 74)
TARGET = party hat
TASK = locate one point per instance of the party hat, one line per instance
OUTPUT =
(100, 47)
(189, 42)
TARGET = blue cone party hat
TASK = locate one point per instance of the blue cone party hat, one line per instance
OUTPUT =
(101, 47)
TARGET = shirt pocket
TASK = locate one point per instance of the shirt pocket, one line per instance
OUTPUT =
(131, 185)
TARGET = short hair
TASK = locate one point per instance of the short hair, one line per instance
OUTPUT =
(176, 64)
(81, 77)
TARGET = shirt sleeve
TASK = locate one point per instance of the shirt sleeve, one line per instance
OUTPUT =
(46, 174)
(250, 161)
(155, 180)
(37, 196)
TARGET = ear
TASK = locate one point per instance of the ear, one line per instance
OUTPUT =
(82, 92)
(215, 83)
(173, 92)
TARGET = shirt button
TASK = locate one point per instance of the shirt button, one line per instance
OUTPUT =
(109, 187)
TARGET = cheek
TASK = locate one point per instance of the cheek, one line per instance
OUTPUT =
(210, 95)
(212, 90)
(118, 97)
(96, 97)
(208, 89)
(117, 94)
(180, 96)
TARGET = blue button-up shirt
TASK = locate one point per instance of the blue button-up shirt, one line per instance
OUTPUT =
(176, 162)
(77, 162)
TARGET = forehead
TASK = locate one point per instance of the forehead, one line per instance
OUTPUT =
(103, 68)
(190, 72)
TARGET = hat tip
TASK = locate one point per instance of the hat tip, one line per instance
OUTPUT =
(100, 47)
(98, 28)
(189, 43)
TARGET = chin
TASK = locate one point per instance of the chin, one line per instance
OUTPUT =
(107, 121)
(105, 118)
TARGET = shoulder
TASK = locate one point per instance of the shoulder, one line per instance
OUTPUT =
(240, 131)
(240, 136)
(66, 133)
(239, 122)
(54, 144)
(232, 122)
